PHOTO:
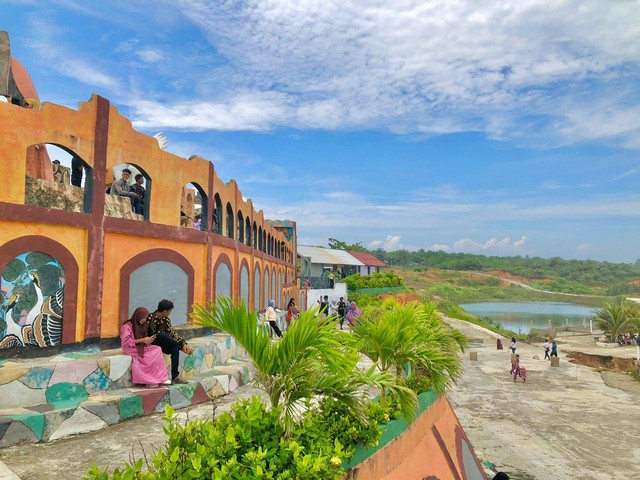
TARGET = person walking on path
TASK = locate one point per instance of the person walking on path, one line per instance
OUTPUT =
(271, 317)
(167, 338)
(515, 368)
(513, 345)
(546, 349)
(499, 344)
(342, 311)
(554, 350)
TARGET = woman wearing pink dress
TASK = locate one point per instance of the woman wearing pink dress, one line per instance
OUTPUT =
(147, 367)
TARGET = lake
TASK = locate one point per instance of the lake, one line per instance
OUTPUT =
(519, 317)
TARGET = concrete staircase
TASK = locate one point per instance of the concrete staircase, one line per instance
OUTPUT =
(50, 398)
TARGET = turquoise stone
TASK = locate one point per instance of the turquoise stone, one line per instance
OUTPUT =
(38, 377)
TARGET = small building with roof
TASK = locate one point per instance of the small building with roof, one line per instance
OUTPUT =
(370, 264)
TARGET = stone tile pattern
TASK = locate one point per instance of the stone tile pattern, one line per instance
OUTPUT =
(80, 393)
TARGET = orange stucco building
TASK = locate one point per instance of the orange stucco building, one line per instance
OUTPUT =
(100, 258)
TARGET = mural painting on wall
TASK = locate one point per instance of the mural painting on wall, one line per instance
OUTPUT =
(32, 286)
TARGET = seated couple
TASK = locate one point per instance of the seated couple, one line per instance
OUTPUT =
(146, 336)
(135, 192)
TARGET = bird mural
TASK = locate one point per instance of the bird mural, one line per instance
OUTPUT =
(13, 335)
(40, 323)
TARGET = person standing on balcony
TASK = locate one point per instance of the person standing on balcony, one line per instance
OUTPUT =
(332, 279)
(76, 171)
(139, 190)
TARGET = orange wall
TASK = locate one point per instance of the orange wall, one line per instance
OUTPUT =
(416, 453)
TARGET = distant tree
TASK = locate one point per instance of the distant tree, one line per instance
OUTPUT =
(340, 245)
(616, 319)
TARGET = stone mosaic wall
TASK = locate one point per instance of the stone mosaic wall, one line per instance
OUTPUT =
(85, 391)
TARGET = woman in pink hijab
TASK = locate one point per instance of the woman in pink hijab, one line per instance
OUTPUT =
(353, 315)
(147, 367)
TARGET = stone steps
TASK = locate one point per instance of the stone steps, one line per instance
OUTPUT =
(50, 398)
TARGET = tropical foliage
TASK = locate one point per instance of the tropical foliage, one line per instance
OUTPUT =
(375, 280)
(312, 359)
(618, 318)
(319, 411)
(394, 335)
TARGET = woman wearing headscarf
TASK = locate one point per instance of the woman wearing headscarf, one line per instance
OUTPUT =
(353, 315)
(292, 311)
(271, 317)
(147, 366)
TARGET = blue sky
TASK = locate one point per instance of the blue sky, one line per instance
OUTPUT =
(501, 128)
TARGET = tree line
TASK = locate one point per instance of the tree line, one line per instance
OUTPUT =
(616, 277)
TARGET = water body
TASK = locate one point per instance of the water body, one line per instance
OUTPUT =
(519, 317)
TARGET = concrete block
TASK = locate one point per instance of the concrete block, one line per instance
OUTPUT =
(473, 356)
(81, 422)
(555, 362)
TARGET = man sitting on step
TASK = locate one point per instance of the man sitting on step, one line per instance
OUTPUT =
(167, 338)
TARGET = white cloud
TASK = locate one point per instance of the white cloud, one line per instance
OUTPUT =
(522, 69)
(149, 55)
(491, 246)
(437, 247)
(390, 244)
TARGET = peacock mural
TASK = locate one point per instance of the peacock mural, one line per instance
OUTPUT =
(32, 286)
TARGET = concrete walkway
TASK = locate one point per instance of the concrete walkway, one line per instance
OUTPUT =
(565, 422)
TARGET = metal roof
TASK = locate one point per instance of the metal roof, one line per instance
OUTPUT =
(368, 259)
(327, 256)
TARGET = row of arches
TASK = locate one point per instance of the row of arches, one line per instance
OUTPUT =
(194, 207)
(39, 284)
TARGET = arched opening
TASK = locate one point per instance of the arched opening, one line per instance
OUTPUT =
(223, 277)
(56, 177)
(256, 288)
(269, 244)
(247, 229)
(264, 241)
(274, 287)
(255, 235)
(129, 192)
(194, 207)
(240, 227)
(260, 240)
(173, 279)
(217, 215)
(244, 284)
(171, 282)
(230, 221)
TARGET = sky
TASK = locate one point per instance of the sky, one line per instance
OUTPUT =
(493, 127)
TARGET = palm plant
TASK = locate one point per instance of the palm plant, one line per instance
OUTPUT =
(310, 360)
(396, 335)
(617, 318)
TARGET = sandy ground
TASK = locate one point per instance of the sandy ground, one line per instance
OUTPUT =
(565, 422)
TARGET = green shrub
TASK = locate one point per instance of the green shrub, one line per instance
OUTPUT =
(418, 383)
(250, 444)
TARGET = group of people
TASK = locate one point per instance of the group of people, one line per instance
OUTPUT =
(517, 370)
(135, 192)
(61, 174)
(146, 337)
(343, 310)
(547, 347)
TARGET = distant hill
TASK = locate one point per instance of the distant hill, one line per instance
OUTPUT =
(554, 274)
